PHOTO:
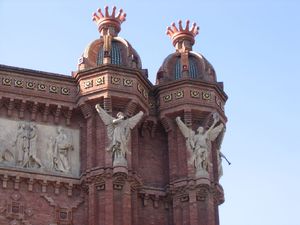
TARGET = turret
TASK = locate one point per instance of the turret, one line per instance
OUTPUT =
(191, 108)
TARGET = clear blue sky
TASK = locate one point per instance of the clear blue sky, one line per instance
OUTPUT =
(254, 47)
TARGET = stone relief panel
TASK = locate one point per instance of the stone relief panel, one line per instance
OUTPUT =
(43, 148)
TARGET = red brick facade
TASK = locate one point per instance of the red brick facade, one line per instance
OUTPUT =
(159, 186)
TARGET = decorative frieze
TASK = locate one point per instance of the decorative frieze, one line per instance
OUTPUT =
(206, 95)
(195, 93)
(44, 148)
(41, 87)
(167, 98)
(34, 85)
(179, 94)
(142, 91)
(127, 82)
(30, 85)
(100, 80)
(6, 81)
(202, 95)
(116, 80)
(88, 84)
(18, 83)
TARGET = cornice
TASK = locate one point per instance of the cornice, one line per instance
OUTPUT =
(31, 72)
(189, 81)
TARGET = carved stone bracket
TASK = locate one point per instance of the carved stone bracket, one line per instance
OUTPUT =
(99, 178)
(19, 179)
(218, 194)
(153, 197)
(180, 190)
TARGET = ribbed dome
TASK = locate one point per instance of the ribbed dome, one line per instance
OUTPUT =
(184, 63)
(109, 48)
(197, 67)
(121, 53)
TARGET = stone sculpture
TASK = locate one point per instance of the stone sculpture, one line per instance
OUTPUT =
(61, 145)
(118, 132)
(25, 145)
(200, 143)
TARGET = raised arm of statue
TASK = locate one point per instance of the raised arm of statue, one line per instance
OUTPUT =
(216, 118)
(118, 132)
(187, 133)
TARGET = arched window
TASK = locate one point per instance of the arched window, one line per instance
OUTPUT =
(115, 54)
(178, 71)
(100, 56)
(193, 69)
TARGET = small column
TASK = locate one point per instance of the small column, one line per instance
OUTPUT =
(107, 105)
(193, 208)
(109, 202)
(92, 205)
(127, 220)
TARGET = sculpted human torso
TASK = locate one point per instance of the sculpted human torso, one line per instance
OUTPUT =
(200, 143)
(118, 132)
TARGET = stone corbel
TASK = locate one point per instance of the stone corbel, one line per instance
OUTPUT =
(69, 115)
(57, 114)
(33, 111)
(119, 180)
(46, 112)
(155, 201)
(17, 183)
(30, 184)
(22, 109)
(70, 189)
(44, 186)
(4, 181)
(57, 187)
(10, 107)
(202, 193)
(145, 198)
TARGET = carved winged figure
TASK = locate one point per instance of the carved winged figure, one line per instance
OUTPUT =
(118, 132)
(200, 143)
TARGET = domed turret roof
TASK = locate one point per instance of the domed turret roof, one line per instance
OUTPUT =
(184, 63)
(109, 48)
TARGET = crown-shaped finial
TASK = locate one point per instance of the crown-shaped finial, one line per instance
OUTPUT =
(107, 20)
(182, 34)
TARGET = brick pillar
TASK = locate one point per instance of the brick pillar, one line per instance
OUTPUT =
(109, 202)
(107, 105)
(173, 157)
(211, 209)
(193, 208)
(134, 208)
(132, 159)
(91, 205)
(177, 212)
(100, 142)
(90, 138)
(127, 220)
